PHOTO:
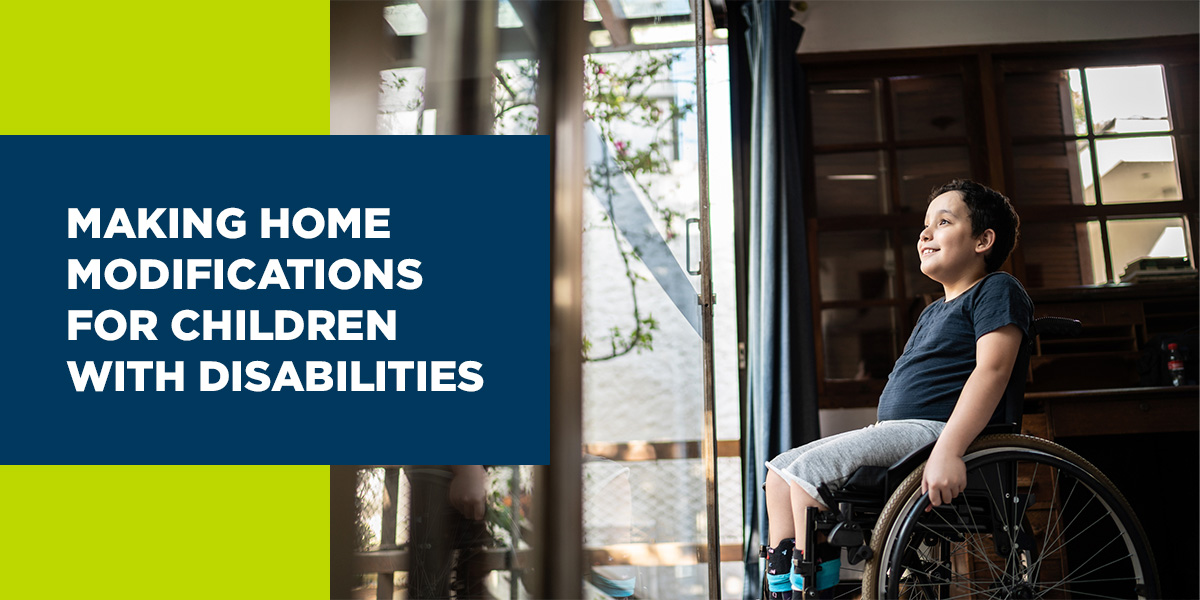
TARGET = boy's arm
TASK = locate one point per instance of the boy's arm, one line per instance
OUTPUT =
(995, 352)
(468, 490)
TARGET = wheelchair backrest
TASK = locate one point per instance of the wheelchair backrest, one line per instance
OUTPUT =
(1013, 404)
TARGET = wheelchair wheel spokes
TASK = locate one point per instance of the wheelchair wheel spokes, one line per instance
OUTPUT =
(1036, 521)
(850, 587)
(939, 563)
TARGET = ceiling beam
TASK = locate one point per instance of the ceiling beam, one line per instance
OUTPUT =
(614, 21)
(527, 12)
(719, 12)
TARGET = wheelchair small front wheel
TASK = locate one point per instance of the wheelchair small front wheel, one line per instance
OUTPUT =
(1036, 521)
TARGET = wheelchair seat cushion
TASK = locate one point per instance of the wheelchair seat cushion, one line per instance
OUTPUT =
(867, 479)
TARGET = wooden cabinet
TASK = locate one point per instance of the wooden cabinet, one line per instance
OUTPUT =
(1119, 322)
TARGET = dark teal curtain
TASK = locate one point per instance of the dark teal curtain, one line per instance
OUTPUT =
(780, 406)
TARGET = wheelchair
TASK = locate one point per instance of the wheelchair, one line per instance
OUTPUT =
(1035, 521)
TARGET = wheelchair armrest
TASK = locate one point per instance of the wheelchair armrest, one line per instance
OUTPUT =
(1056, 327)
(903, 467)
(866, 485)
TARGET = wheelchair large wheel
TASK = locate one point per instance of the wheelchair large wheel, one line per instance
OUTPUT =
(1036, 521)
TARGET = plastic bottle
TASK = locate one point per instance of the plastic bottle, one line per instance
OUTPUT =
(1175, 364)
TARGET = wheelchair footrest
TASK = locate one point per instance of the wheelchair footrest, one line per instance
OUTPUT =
(860, 554)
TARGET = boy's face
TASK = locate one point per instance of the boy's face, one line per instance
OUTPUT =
(947, 249)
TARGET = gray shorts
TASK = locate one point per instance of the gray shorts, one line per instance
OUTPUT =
(833, 459)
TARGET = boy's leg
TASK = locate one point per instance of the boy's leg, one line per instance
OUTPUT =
(801, 501)
(829, 565)
(781, 536)
(832, 462)
(780, 523)
(826, 558)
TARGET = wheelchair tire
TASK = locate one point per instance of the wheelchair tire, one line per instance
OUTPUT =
(1077, 535)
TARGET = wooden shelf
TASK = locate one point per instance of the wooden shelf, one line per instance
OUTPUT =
(1170, 315)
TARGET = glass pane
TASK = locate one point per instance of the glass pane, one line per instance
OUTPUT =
(401, 102)
(634, 9)
(406, 18)
(923, 169)
(1060, 255)
(856, 265)
(1096, 251)
(1087, 152)
(1148, 249)
(406, 510)
(915, 282)
(1049, 173)
(725, 340)
(402, 109)
(1042, 104)
(860, 343)
(1136, 170)
(590, 12)
(662, 34)
(845, 113)
(402, 92)
(645, 516)
(1127, 99)
(514, 98)
(851, 184)
(928, 107)
(1078, 111)
(507, 17)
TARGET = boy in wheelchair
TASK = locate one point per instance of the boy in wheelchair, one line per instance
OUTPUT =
(946, 386)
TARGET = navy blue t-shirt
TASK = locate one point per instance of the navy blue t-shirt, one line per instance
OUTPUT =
(940, 354)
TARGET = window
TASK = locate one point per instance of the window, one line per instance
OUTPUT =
(1100, 137)
(882, 137)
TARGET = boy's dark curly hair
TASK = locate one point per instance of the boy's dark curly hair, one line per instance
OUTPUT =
(988, 209)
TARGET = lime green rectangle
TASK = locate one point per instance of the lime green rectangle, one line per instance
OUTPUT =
(164, 532)
(153, 67)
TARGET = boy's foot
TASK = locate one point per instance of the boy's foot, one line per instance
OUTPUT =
(779, 566)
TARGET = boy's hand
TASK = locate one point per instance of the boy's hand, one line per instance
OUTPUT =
(945, 477)
(468, 490)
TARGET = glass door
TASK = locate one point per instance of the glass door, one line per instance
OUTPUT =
(649, 501)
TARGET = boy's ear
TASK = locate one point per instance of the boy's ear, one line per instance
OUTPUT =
(985, 241)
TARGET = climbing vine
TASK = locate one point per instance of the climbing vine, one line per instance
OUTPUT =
(621, 100)
(631, 100)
